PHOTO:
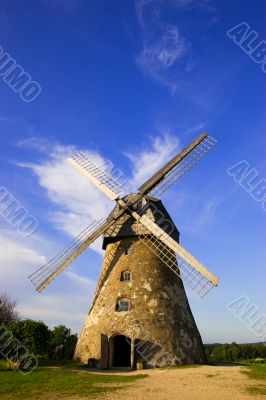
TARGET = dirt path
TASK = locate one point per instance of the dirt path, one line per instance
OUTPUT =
(201, 383)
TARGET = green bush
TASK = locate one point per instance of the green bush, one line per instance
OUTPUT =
(235, 352)
(258, 361)
(38, 339)
(61, 335)
(34, 335)
(8, 365)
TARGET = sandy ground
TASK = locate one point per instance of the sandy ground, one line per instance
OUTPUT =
(200, 383)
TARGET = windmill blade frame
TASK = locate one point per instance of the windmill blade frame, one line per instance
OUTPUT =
(195, 273)
(105, 182)
(192, 277)
(48, 272)
(178, 166)
(156, 185)
(177, 248)
(159, 182)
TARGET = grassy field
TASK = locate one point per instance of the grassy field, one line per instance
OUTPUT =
(59, 382)
(258, 372)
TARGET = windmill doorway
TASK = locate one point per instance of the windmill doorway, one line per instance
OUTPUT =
(121, 351)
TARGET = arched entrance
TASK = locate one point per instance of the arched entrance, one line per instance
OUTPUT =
(121, 351)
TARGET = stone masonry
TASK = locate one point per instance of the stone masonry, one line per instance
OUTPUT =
(158, 325)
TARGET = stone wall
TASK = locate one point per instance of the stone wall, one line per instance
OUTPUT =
(159, 321)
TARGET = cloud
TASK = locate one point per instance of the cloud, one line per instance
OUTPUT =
(163, 47)
(43, 145)
(161, 54)
(166, 54)
(78, 201)
(81, 280)
(195, 128)
(55, 306)
(67, 308)
(146, 162)
(18, 258)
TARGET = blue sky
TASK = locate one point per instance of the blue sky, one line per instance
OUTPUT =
(133, 82)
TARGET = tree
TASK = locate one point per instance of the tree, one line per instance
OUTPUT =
(8, 311)
(34, 335)
(61, 335)
(235, 352)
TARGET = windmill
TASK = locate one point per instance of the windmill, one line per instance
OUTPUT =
(140, 309)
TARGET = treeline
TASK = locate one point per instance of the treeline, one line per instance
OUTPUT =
(57, 343)
(234, 352)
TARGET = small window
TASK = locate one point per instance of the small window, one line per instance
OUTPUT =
(126, 276)
(122, 305)
(128, 251)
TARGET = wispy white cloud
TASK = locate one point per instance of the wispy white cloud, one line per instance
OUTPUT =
(150, 11)
(167, 53)
(195, 128)
(79, 202)
(81, 280)
(43, 145)
(146, 162)
(67, 308)
(163, 46)
(18, 258)
(160, 54)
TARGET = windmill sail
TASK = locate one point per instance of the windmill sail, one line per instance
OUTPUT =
(178, 166)
(105, 182)
(190, 275)
(193, 271)
(188, 267)
(44, 275)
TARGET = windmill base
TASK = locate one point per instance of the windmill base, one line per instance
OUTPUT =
(123, 352)
(157, 330)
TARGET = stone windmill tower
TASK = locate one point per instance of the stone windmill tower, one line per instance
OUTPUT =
(140, 310)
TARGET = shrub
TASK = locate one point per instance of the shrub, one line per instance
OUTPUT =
(8, 365)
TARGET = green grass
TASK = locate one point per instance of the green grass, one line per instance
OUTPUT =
(47, 383)
(257, 390)
(43, 362)
(257, 372)
(2, 365)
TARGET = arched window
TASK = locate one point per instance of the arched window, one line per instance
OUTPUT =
(126, 276)
(122, 305)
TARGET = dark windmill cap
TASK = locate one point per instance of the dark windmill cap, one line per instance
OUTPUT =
(127, 226)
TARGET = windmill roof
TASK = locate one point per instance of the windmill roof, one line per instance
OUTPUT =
(127, 226)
